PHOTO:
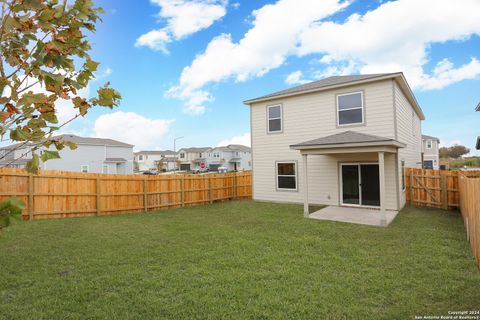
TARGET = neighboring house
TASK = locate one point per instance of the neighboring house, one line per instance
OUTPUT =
(477, 146)
(430, 148)
(234, 157)
(343, 140)
(151, 160)
(193, 158)
(92, 155)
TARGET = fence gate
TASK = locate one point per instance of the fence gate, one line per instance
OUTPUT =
(434, 188)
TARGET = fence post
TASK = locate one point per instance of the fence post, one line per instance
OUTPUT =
(183, 190)
(145, 193)
(235, 186)
(98, 195)
(210, 189)
(412, 192)
(443, 179)
(30, 197)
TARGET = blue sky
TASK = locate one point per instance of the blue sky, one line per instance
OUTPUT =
(184, 67)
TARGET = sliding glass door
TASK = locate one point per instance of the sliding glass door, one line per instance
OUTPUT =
(360, 184)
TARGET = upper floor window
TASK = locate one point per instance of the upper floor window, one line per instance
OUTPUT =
(429, 144)
(140, 157)
(274, 114)
(182, 155)
(350, 108)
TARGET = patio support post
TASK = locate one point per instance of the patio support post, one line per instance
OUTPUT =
(305, 178)
(381, 168)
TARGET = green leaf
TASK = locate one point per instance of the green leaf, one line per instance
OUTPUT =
(47, 155)
(33, 165)
(91, 65)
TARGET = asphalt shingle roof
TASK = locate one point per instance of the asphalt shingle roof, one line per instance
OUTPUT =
(347, 137)
(324, 83)
(424, 137)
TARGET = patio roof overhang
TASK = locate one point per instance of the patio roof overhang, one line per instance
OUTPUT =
(348, 142)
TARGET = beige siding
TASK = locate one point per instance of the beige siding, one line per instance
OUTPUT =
(409, 131)
(313, 116)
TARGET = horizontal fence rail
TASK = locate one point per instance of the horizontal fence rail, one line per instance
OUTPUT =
(59, 194)
(435, 188)
(470, 209)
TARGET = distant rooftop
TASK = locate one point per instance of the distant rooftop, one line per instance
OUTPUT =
(425, 137)
(77, 140)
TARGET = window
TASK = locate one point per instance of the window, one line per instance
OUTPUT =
(200, 155)
(182, 155)
(429, 144)
(105, 168)
(140, 157)
(274, 118)
(350, 108)
(236, 153)
(286, 176)
(84, 168)
(249, 163)
(403, 175)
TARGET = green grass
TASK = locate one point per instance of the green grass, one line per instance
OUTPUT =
(236, 260)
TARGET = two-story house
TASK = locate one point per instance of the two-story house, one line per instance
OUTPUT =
(477, 146)
(193, 158)
(430, 148)
(340, 141)
(162, 160)
(233, 157)
(95, 155)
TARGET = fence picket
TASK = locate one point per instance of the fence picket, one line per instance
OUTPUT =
(59, 194)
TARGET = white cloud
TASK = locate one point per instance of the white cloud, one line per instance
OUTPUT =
(295, 78)
(243, 139)
(183, 17)
(132, 128)
(396, 37)
(264, 47)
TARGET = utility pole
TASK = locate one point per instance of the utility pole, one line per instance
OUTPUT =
(175, 152)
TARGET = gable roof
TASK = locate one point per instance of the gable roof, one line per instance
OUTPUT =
(425, 137)
(195, 149)
(156, 152)
(346, 138)
(234, 147)
(342, 81)
(92, 141)
(75, 139)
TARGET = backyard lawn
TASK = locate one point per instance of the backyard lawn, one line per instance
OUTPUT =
(236, 260)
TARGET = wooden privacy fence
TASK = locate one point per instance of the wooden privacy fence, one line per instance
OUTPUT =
(470, 208)
(435, 188)
(58, 194)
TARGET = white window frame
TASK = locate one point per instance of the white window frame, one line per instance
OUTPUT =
(362, 108)
(283, 175)
(431, 144)
(182, 155)
(103, 168)
(281, 118)
(84, 166)
(140, 157)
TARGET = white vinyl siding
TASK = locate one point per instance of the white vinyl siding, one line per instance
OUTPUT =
(311, 116)
(408, 132)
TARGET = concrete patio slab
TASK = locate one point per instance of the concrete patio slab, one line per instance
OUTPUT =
(365, 216)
